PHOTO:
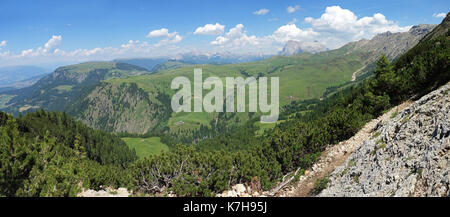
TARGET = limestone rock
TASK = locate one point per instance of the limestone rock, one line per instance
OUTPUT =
(409, 156)
(239, 188)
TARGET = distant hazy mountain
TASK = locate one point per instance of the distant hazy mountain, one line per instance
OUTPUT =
(147, 63)
(11, 75)
(294, 47)
(168, 65)
(24, 83)
(217, 58)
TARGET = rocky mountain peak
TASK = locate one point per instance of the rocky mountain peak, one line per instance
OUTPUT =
(293, 47)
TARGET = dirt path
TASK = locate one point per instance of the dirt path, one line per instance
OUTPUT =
(356, 72)
(333, 157)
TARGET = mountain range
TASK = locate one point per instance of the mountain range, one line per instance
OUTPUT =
(216, 58)
(391, 44)
(114, 96)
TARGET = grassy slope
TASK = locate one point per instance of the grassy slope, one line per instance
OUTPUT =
(169, 65)
(57, 90)
(304, 76)
(88, 66)
(146, 146)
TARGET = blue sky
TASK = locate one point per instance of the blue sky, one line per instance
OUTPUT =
(102, 29)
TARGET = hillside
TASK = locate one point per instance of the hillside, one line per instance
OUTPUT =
(147, 63)
(393, 45)
(169, 65)
(340, 125)
(302, 77)
(121, 108)
(56, 90)
(217, 58)
(51, 154)
(87, 90)
(93, 92)
(332, 157)
(407, 155)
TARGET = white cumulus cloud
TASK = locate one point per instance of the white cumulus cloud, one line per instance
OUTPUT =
(236, 36)
(50, 47)
(28, 52)
(2, 43)
(262, 11)
(292, 9)
(52, 44)
(161, 33)
(292, 32)
(439, 15)
(210, 29)
(340, 25)
(167, 37)
(171, 40)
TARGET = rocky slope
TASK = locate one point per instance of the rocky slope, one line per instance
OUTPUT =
(119, 108)
(392, 44)
(408, 155)
(334, 156)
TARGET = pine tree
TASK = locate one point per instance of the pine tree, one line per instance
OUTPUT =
(79, 148)
(384, 81)
(16, 159)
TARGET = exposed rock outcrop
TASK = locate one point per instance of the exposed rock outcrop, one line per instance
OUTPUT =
(408, 155)
(392, 44)
(109, 192)
(240, 190)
